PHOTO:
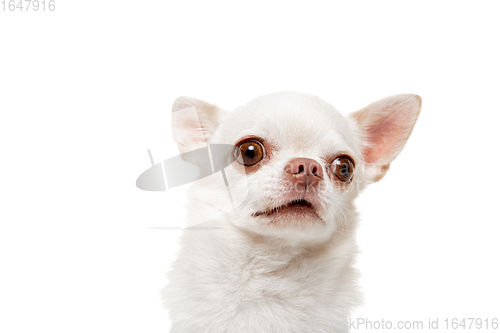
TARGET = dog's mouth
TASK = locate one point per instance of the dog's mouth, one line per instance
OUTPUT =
(299, 208)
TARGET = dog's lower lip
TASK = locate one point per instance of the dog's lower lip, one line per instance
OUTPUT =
(294, 208)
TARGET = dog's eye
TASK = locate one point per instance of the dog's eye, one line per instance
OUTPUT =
(249, 153)
(343, 168)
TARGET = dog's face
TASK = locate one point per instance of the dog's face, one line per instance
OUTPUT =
(302, 163)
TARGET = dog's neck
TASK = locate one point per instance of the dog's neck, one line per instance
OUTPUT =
(241, 248)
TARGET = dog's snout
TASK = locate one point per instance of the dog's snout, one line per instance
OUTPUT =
(304, 171)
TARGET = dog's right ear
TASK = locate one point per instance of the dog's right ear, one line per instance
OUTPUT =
(385, 126)
(194, 122)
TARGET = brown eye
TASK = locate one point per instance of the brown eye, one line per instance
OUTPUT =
(343, 168)
(249, 153)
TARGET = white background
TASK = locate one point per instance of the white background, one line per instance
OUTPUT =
(86, 89)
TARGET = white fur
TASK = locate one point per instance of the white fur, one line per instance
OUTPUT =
(240, 273)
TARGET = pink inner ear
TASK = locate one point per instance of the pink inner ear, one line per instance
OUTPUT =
(192, 126)
(385, 136)
(199, 136)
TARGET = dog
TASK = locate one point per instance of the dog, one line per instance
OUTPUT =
(282, 260)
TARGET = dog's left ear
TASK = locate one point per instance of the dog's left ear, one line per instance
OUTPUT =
(385, 127)
(194, 122)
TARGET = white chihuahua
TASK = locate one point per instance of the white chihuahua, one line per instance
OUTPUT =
(282, 260)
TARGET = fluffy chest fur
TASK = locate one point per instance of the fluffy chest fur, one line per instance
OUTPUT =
(226, 280)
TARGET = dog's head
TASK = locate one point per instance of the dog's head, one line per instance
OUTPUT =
(303, 161)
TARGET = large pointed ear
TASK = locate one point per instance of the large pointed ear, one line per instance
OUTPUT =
(385, 127)
(194, 122)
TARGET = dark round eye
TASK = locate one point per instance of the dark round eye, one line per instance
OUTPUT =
(249, 153)
(343, 168)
